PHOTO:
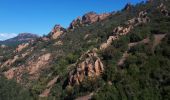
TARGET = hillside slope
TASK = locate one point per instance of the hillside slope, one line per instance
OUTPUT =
(112, 56)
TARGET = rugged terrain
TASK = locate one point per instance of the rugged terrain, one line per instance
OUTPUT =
(123, 55)
(21, 38)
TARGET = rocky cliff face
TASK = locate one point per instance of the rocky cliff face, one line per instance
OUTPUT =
(92, 17)
(88, 18)
(90, 67)
(32, 68)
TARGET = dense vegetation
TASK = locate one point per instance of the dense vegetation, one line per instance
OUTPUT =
(145, 73)
(10, 90)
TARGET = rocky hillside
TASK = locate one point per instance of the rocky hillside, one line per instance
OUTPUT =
(21, 38)
(123, 55)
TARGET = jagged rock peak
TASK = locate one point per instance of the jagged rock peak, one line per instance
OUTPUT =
(57, 31)
(88, 18)
(128, 7)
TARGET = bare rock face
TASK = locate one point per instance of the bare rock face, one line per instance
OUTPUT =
(90, 67)
(37, 65)
(92, 17)
(21, 47)
(57, 31)
(33, 68)
(88, 18)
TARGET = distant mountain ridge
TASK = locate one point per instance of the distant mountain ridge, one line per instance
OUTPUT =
(21, 38)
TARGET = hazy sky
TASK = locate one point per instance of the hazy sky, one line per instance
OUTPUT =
(39, 16)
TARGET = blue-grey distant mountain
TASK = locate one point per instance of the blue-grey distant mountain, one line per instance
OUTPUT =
(21, 38)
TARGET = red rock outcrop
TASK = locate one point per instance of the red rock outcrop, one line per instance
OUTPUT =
(90, 67)
(92, 17)
(123, 30)
(21, 47)
(33, 67)
(38, 64)
(88, 18)
(141, 19)
(56, 32)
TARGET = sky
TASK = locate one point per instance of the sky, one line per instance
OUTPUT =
(40, 16)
